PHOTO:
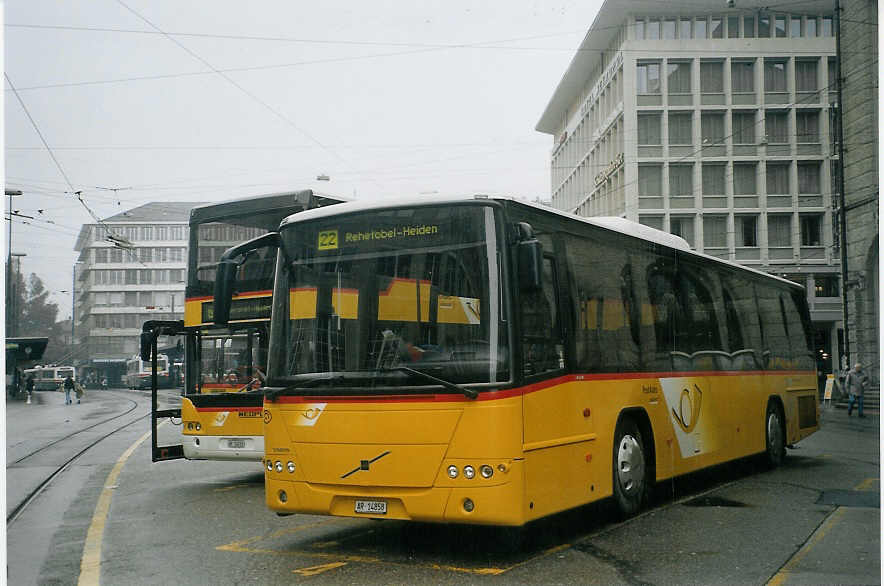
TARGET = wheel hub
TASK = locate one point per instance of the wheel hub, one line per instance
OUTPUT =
(630, 465)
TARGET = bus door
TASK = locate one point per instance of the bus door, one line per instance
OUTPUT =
(150, 334)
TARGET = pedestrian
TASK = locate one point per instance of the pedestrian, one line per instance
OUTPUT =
(29, 385)
(857, 382)
(79, 391)
(68, 387)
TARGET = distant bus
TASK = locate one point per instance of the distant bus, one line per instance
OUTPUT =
(225, 365)
(139, 373)
(489, 361)
(49, 378)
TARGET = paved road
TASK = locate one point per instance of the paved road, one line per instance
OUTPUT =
(813, 521)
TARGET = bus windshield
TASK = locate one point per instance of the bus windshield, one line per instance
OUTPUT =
(365, 300)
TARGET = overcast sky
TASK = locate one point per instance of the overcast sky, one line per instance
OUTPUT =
(173, 100)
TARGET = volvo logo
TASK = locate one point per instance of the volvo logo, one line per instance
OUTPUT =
(365, 464)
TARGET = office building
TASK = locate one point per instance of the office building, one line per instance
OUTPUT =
(710, 120)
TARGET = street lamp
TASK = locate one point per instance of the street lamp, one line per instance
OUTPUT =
(9, 287)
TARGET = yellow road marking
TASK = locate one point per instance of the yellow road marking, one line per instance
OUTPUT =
(241, 545)
(231, 487)
(90, 564)
(313, 570)
(780, 577)
(867, 484)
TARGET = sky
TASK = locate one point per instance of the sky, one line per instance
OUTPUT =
(204, 101)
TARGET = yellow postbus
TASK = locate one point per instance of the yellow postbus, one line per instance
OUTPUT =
(224, 366)
(488, 361)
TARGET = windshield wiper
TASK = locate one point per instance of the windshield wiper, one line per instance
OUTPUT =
(468, 393)
(272, 394)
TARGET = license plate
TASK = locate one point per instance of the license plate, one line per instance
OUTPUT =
(371, 507)
(236, 444)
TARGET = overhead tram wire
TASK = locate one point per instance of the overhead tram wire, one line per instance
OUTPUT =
(241, 88)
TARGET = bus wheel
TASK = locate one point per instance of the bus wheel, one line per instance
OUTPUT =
(630, 468)
(775, 438)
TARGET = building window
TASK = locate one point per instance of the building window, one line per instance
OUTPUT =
(712, 127)
(131, 298)
(146, 233)
(669, 29)
(809, 178)
(650, 180)
(712, 77)
(811, 230)
(714, 231)
(826, 29)
(779, 231)
(806, 76)
(683, 226)
(648, 78)
(807, 126)
(655, 222)
(680, 128)
(100, 255)
(176, 276)
(716, 29)
(649, 129)
(681, 180)
(826, 286)
(639, 29)
(713, 179)
(796, 27)
(776, 127)
(653, 31)
(746, 231)
(678, 76)
(116, 255)
(131, 277)
(810, 27)
(733, 27)
(775, 76)
(162, 232)
(144, 277)
(777, 179)
(780, 26)
(145, 254)
(749, 27)
(700, 28)
(684, 28)
(763, 26)
(743, 127)
(744, 179)
(743, 77)
(176, 233)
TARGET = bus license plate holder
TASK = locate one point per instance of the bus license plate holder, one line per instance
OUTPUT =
(236, 444)
(371, 507)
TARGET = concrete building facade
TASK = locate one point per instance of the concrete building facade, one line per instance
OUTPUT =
(131, 269)
(859, 62)
(714, 123)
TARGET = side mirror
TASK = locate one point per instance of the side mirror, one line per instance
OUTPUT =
(146, 343)
(529, 256)
(225, 277)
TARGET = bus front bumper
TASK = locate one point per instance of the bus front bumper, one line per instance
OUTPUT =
(499, 504)
(212, 447)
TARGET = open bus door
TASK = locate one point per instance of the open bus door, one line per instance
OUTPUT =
(150, 332)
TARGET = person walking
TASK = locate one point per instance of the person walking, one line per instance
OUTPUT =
(857, 382)
(29, 386)
(68, 387)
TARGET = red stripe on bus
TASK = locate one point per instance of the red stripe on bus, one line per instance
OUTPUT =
(241, 296)
(235, 409)
(532, 388)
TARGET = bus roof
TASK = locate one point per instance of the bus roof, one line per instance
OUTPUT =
(244, 206)
(614, 224)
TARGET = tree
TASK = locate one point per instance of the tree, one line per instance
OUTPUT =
(32, 314)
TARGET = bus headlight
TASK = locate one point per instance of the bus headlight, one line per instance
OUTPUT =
(291, 467)
(269, 466)
(452, 471)
(278, 466)
(469, 472)
(198, 426)
(486, 471)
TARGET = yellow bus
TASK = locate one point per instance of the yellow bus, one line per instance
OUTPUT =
(488, 361)
(224, 366)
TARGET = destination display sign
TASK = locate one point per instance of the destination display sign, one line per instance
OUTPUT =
(241, 309)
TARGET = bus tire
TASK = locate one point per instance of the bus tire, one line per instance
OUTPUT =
(630, 468)
(774, 435)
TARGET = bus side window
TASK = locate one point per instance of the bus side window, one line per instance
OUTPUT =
(542, 344)
(776, 352)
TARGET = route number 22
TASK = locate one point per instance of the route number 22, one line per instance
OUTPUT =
(328, 240)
